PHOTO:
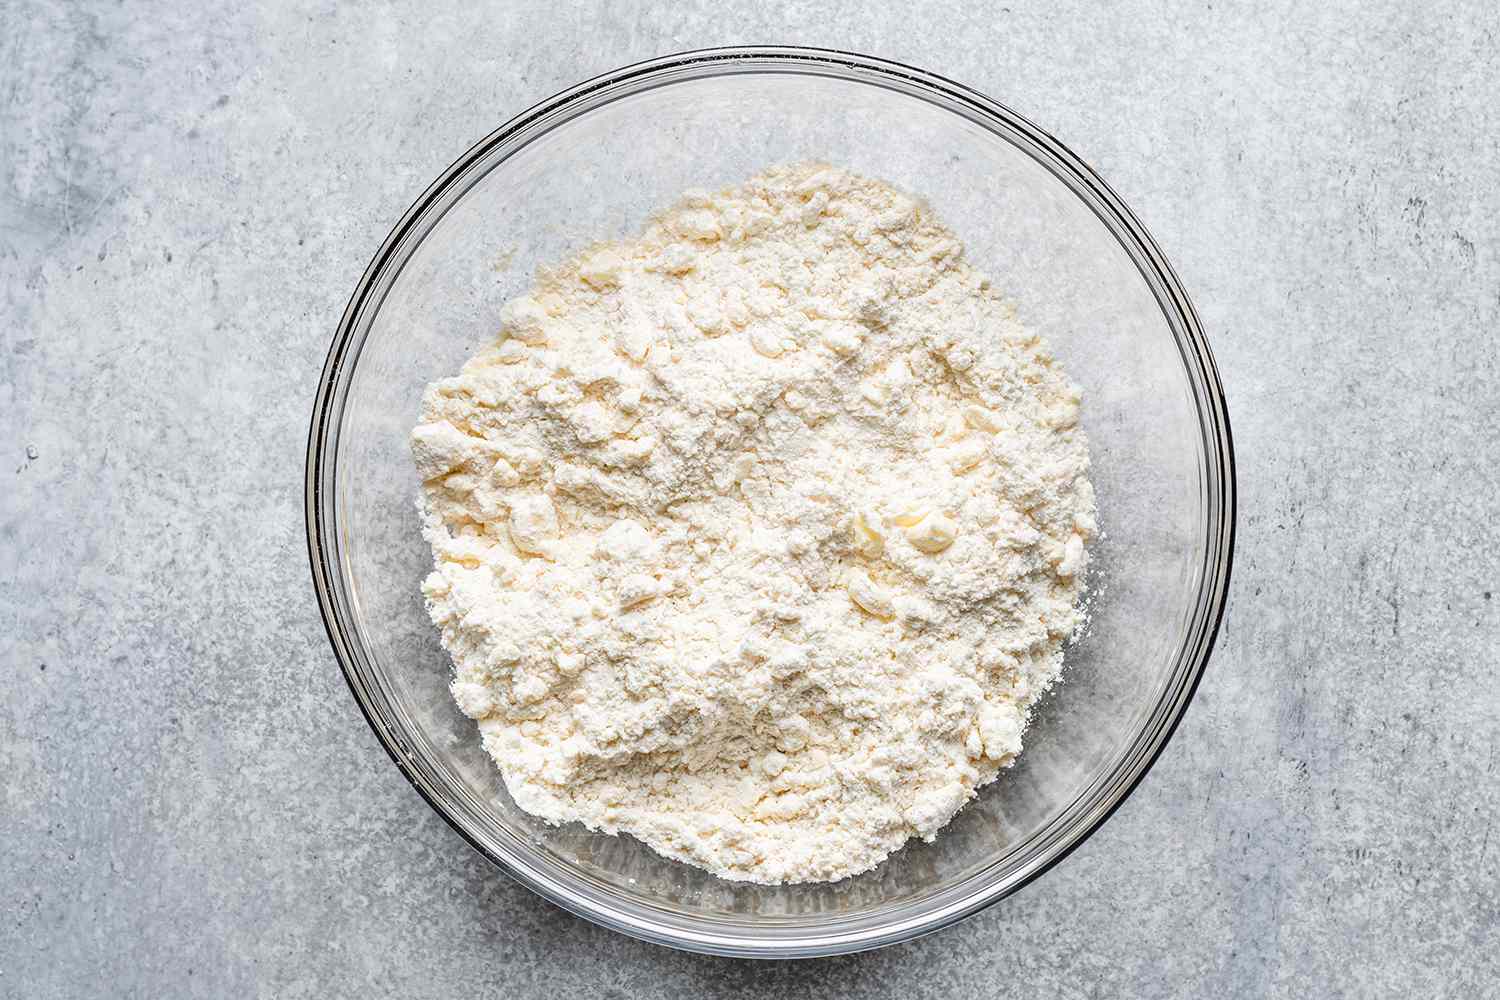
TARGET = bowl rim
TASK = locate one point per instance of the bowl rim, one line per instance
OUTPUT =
(1095, 803)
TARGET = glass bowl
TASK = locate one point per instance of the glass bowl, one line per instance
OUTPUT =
(591, 163)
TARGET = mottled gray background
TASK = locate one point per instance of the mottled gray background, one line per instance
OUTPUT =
(192, 805)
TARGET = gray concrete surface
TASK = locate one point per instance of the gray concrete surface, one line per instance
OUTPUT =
(192, 805)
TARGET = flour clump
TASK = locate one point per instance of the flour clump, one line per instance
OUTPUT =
(758, 535)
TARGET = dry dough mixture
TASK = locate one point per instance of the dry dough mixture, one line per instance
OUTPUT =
(757, 536)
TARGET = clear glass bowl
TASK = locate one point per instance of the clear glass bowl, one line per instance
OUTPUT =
(591, 163)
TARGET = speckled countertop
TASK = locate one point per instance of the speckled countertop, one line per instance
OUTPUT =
(192, 805)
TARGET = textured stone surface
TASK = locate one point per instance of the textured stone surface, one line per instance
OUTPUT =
(192, 805)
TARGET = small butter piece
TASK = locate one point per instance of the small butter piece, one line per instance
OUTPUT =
(909, 516)
(525, 319)
(966, 454)
(637, 589)
(533, 524)
(981, 418)
(870, 597)
(601, 269)
(1074, 557)
(865, 535)
(696, 224)
(767, 341)
(933, 533)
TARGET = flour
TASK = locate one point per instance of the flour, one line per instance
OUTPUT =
(757, 536)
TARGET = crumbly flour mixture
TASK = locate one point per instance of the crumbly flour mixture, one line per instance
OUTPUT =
(757, 536)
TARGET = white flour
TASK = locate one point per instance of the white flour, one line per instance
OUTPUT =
(757, 536)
